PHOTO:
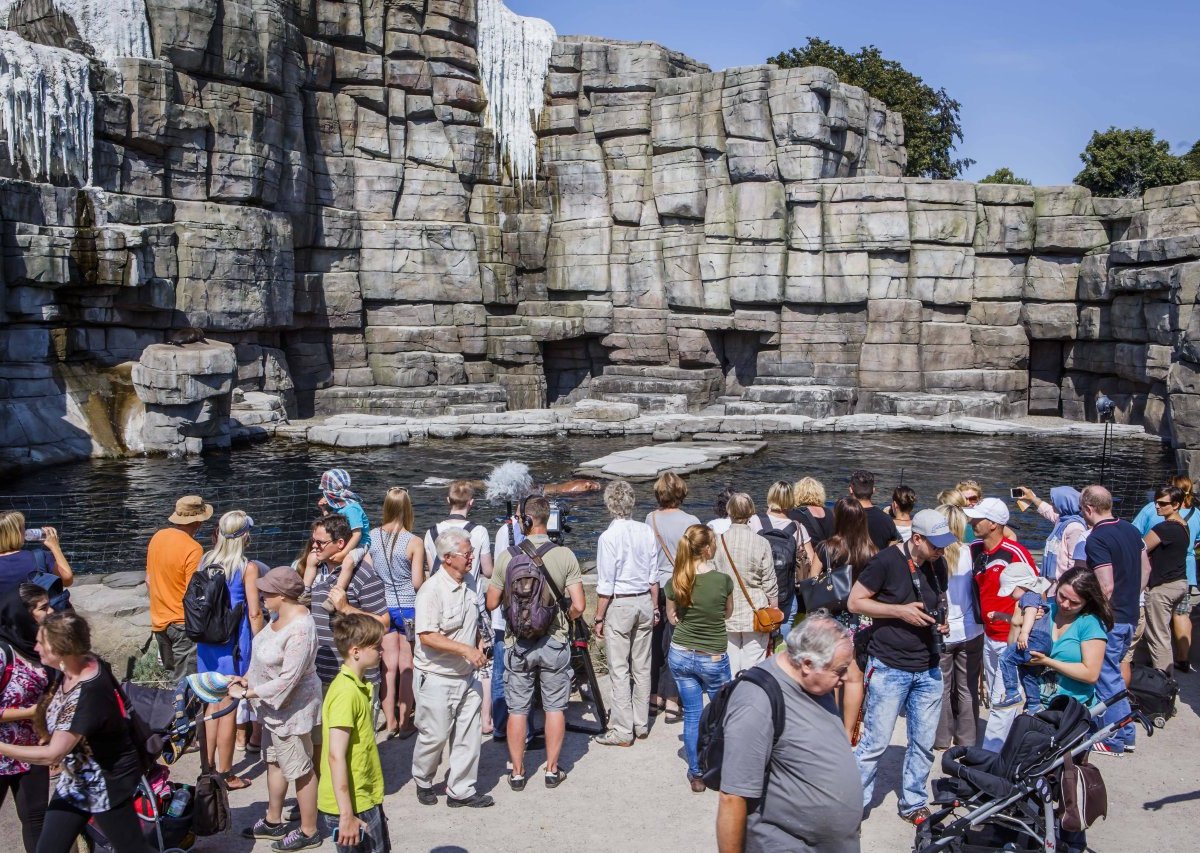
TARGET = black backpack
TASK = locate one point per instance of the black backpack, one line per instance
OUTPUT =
(783, 552)
(711, 745)
(207, 614)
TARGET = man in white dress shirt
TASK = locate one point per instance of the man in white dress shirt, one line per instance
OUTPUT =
(626, 589)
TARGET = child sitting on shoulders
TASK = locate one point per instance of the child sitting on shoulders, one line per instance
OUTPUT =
(336, 496)
(1030, 632)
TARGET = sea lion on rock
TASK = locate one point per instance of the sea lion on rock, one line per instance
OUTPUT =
(187, 335)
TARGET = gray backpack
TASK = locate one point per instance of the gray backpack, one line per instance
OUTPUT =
(531, 600)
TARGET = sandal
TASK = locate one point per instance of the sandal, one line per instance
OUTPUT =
(253, 748)
(657, 708)
(236, 783)
(672, 716)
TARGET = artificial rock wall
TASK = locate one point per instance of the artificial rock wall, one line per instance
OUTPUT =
(315, 185)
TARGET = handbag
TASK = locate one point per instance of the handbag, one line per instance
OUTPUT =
(829, 590)
(766, 619)
(1084, 797)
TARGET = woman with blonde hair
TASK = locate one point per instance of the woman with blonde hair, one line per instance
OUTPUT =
(963, 657)
(17, 562)
(228, 557)
(399, 559)
(808, 499)
(742, 553)
(699, 600)
(779, 504)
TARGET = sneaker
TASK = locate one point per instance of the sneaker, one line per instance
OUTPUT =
(641, 734)
(611, 738)
(517, 783)
(1131, 747)
(1106, 747)
(475, 801)
(697, 785)
(1009, 700)
(262, 829)
(297, 840)
(426, 797)
(553, 780)
(917, 816)
(1183, 666)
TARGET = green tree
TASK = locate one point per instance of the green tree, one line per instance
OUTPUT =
(1125, 163)
(1004, 175)
(1191, 161)
(931, 124)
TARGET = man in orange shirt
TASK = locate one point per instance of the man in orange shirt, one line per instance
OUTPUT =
(171, 558)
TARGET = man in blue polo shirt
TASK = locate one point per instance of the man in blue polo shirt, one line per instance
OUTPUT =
(1116, 553)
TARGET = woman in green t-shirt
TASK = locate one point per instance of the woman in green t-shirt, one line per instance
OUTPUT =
(699, 600)
(1080, 619)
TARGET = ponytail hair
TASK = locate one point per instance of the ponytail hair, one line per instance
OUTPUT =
(1184, 484)
(693, 545)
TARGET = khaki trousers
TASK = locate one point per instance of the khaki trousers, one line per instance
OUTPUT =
(1161, 602)
(628, 628)
(448, 709)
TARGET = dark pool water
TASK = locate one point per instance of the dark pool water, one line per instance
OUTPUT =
(107, 509)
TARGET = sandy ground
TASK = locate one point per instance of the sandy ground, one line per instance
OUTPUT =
(637, 799)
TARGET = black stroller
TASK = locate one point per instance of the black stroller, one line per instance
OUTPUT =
(174, 719)
(1009, 797)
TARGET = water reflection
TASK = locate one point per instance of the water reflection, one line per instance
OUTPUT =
(107, 509)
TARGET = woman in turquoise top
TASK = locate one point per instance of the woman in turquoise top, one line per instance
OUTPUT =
(1080, 619)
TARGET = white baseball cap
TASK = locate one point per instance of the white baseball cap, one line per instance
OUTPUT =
(993, 509)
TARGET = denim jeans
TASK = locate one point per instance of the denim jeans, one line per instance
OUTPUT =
(499, 704)
(1014, 668)
(1111, 683)
(919, 695)
(696, 674)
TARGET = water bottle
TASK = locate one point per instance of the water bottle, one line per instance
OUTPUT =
(34, 534)
(179, 801)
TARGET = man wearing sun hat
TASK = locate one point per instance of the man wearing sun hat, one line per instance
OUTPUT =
(903, 589)
(171, 558)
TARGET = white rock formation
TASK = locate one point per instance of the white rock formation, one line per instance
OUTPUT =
(112, 27)
(46, 109)
(514, 54)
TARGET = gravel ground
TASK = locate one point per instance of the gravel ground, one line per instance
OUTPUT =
(637, 799)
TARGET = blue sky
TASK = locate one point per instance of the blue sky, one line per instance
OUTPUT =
(1034, 78)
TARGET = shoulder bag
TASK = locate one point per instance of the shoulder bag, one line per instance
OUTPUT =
(766, 619)
(829, 590)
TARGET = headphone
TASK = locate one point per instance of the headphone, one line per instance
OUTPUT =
(525, 520)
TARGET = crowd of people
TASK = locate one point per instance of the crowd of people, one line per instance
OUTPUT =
(453, 636)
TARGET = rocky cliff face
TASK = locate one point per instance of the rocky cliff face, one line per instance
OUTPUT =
(318, 186)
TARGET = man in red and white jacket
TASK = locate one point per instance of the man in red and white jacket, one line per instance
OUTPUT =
(991, 554)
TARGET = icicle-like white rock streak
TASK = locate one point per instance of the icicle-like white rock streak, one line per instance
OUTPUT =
(46, 109)
(514, 55)
(112, 27)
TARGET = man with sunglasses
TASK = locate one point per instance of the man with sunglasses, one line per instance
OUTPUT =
(447, 660)
(365, 594)
(991, 553)
(903, 589)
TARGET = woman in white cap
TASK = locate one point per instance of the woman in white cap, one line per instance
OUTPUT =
(283, 686)
(228, 556)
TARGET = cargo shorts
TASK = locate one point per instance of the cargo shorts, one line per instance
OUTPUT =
(546, 663)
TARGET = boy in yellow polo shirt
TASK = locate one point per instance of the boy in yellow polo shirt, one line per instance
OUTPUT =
(350, 793)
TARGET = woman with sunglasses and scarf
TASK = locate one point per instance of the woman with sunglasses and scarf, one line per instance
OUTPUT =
(228, 556)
